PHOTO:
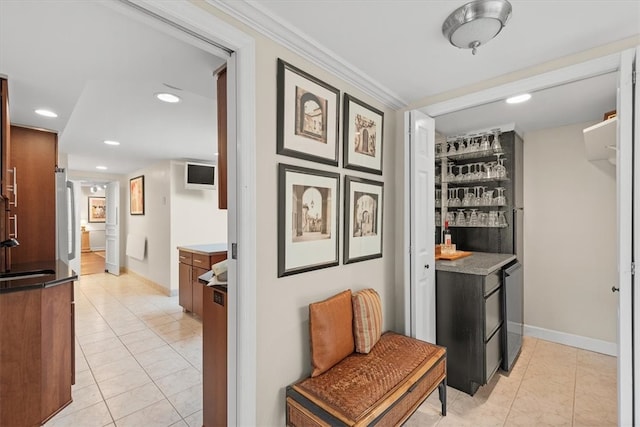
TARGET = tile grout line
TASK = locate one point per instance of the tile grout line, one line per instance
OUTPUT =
(521, 380)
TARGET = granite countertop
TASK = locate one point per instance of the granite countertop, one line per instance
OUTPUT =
(53, 273)
(479, 263)
(206, 249)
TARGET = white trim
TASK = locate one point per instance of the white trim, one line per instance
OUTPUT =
(558, 77)
(256, 16)
(242, 363)
(585, 343)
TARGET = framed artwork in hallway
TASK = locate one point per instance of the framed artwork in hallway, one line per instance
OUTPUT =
(136, 195)
(97, 209)
(308, 112)
(308, 208)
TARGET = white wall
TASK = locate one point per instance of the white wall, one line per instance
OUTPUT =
(570, 236)
(154, 225)
(283, 352)
(172, 217)
(195, 217)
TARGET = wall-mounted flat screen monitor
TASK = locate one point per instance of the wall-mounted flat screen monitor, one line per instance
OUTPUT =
(200, 176)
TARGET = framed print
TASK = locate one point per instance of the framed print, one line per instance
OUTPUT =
(363, 126)
(308, 115)
(362, 219)
(307, 219)
(136, 195)
(97, 209)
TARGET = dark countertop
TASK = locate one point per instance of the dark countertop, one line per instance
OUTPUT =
(478, 263)
(60, 273)
(206, 249)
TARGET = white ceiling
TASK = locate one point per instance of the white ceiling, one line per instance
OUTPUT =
(99, 68)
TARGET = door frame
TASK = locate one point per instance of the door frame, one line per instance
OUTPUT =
(199, 25)
(583, 70)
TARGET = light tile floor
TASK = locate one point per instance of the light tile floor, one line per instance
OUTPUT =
(138, 357)
(549, 385)
(139, 362)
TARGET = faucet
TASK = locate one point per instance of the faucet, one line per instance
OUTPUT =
(9, 243)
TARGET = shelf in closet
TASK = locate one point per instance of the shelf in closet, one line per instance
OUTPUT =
(469, 155)
(476, 181)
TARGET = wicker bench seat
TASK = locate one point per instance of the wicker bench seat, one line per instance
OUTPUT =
(383, 387)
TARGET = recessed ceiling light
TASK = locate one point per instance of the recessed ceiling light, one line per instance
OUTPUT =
(45, 113)
(519, 98)
(102, 168)
(109, 142)
(168, 97)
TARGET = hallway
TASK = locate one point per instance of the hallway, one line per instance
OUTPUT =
(138, 357)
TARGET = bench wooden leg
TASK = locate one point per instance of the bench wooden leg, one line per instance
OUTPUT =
(442, 391)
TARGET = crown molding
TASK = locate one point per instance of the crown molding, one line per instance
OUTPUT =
(256, 16)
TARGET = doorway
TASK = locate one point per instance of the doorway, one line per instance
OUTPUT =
(621, 64)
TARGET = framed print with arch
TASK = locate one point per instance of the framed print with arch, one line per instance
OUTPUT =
(308, 116)
(308, 206)
(363, 126)
(362, 219)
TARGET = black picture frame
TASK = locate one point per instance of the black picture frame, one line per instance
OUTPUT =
(308, 219)
(363, 219)
(136, 195)
(310, 136)
(363, 130)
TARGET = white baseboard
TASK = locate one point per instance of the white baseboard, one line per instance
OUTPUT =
(154, 285)
(585, 343)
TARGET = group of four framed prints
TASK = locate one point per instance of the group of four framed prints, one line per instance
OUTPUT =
(308, 114)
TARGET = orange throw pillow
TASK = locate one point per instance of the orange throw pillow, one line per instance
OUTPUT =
(331, 331)
(367, 319)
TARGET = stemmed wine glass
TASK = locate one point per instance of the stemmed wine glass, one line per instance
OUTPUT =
(502, 220)
(500, 170)
(500, 199)
(473, 218)
(451, 176)
(461, 221)
(484, 143)
(495, 145)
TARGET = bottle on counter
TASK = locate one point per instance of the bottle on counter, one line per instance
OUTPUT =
(447, 246)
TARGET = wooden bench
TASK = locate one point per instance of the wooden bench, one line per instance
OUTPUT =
(383, 387)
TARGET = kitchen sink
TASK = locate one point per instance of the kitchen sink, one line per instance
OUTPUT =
(25, 274)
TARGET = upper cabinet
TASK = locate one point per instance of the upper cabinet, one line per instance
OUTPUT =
(8, 178)
(222, 137)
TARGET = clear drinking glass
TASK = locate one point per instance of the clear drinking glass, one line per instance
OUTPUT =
(499, 169)
(461, 221)
(484, 143)
(496, 146)
(473, 218)
(502, 220)
(438, 197)
(487, 198)
(450, 176)
(500, 199)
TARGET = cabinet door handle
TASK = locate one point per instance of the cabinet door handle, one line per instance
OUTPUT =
(198, 261)
(14, 188)
(14, 218)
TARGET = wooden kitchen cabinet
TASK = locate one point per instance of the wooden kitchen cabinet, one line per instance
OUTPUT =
(34, 155)
(222, 137)
(6, 178)
(37, 354)
(214, 357)
(192, 264)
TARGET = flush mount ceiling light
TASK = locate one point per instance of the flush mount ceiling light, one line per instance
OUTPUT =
(168, 97)
(46, 113)
(475, 23)
(102, 168)
(110, 142)
(518, 98)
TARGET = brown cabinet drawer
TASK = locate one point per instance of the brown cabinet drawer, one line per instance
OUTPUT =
(185, 257)
(201, 261)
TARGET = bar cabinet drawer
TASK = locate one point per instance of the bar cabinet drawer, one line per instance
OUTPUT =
(185, 257)
(493, 313)
(493, 355)
(492, 281)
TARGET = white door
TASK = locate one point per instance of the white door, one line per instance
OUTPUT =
(74, 205)
(625, 166)
(112, 229)
(420, 289)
